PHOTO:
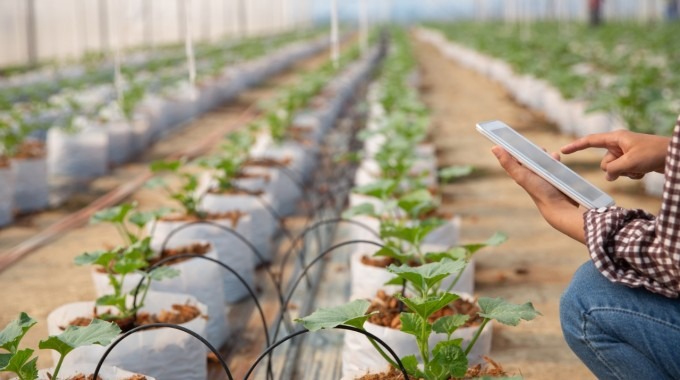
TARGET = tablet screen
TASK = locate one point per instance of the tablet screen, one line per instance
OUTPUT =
(548, 163)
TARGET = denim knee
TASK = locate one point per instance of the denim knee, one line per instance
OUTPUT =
(574, 304)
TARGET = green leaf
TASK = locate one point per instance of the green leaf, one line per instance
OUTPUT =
(165, 166)
(455, 172)
(449, 359)
(497, 239)
(351, 314)
(410, 364)
(142, 218)
(427, 306)
(455, 253)
(112, 215)
(505, 312)
(110, 300)
(155, 183)
(426, 276)
(360, 209)
(97, 332)
(163, 272)
(387, 251)
(448, 324)
(21, 364)
(11, 335)
(416, 202)
(380, 189)
(102, 258)
(413, 324)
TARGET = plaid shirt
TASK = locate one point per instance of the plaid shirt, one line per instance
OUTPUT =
(635, 248)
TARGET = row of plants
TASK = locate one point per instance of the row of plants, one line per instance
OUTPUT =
(564, 74)
(114, 130)
(624, 68)
(412, 280)
(135, 285)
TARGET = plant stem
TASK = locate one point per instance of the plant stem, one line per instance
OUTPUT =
(382, 353)
(58, 367)
(477, 334)
(455, 280)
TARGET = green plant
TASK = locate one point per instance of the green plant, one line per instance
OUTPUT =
(448, 358)
(19, 361)
(186, 193)
(120, 262)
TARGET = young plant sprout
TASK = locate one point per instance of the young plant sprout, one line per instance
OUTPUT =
(121, 261)
(19, 361)
(186, 194)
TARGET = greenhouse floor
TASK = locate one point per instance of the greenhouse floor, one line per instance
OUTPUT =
(535, 264)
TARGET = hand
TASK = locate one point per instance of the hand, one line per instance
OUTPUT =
(628, 154)
(557, 209)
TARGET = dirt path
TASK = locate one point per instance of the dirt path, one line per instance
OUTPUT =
(537, 262)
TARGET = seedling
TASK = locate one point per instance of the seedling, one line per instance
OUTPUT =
(19, 361)
(186, 194)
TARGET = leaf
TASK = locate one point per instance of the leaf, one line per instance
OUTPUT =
(454, 172)
(494, 240)
(165, 166)
(163, 272)
(97, 332)
(416, 202)
(112, 215)
(449, 359)
(448, 324)
(142, 218)
(21, 364)
(360, 209)
(413, 324)
(388, 251)
(455, 253)
(379, 189)
(505, 312)
(426, 276)
(155, 183)
(427, 306)
(102, 258)
(410, 364)
(351, 314)
(12, 334)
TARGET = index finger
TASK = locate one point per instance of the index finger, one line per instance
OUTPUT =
(597, 140)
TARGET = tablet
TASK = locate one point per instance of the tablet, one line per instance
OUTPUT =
(543, 164)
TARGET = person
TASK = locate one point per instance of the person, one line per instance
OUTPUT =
(595, 12)
(620, 314)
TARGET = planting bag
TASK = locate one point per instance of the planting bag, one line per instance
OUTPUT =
(120, 141)
(230, 250)
(6, 196)
(105, 372)
(82, 155)
(31, 189)
(162, 353)
(199, 278)
(359, 356)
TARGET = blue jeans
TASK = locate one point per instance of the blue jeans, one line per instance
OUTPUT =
(620, 332)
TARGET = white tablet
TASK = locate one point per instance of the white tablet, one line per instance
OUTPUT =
(541, 163)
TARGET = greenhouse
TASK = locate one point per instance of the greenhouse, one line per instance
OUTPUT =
(339, 189)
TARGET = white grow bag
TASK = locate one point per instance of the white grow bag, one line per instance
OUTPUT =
(359, 356)
(197, 277)
(31, 189)
(6, 196)
(230, 250)
(82, 155)
(163, 353)
(105, 372)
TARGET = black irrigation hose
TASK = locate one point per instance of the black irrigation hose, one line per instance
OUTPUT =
(277, 285)
(295, 284)
(341, 327)
(157, 325)
(301, 236)
(228, 268)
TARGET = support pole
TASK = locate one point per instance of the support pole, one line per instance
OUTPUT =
(335, 48)
(31, 33)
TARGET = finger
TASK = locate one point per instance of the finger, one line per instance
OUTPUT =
(556, 155)
(608, 157)
(597, 140)
(634, 175)
(509, 163)
(618, 167)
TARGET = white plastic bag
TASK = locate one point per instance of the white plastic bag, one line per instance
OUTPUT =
(105, 372)
(82, 155)
(31, 189)
(6, 196)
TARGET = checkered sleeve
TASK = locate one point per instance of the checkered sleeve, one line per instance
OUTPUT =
(635, 248)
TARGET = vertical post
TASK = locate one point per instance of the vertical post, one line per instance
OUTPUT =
(147, 16)
(207, 20)
(242, 18)
(363, 25)
(335, 48)
(104, 44)
(189, 43)
(31, 33)
(181, 20)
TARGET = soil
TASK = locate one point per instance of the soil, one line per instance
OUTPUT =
(195, 248)
(31, 149)
(490, 369)
(91, 377)
(178, 315)
(389, 310)
(269, 162)
(233, 216)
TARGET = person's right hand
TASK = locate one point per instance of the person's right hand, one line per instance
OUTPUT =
(628, 154)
